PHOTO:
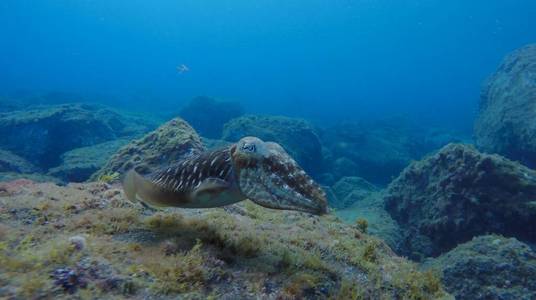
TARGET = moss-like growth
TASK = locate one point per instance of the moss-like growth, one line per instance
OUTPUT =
(108, 177)
(232, 252)
(299, 284)
(362, 225)
(179, 273)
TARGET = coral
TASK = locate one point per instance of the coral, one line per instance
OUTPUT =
(488, 267)
(108, 247)
(505, 122)
(208, 115)
(458, 193)
(297, 136)
(163, 146)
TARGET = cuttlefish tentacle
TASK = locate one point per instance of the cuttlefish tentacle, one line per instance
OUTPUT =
(251, 168)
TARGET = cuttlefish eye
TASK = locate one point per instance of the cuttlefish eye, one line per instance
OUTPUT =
(249, 147)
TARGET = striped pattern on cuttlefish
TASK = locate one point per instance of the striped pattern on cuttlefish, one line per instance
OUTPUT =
(249, 169)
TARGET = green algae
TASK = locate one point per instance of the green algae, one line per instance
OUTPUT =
(238, 252)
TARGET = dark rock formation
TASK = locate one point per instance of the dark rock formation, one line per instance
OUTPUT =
(378, 151)
(488, 267)
(349, 190)
(505, 124)
(297, 136)
(165, 145)
(79, 164)
(459, 193)
(10, 162)
(42, 134)
(208, 115)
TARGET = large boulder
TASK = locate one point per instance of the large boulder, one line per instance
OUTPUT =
(458, 193)
(349, 190)
(165, 145)
(378, 151)
(80, 163)
(505, 123)
(297, 136)
(10, 162)
(14, 167)
(42, 134)
(208, 115)
(488, 267)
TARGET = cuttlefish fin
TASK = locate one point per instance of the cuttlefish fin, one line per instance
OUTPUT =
(210, 187)
(139, 189)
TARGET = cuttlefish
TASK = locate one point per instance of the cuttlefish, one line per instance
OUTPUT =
(249, 169)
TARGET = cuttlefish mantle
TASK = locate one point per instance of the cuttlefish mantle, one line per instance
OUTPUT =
(249, 169)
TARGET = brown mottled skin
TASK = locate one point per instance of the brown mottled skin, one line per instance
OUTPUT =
(250, 169)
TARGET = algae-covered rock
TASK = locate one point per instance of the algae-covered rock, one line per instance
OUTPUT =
(378, 221)
(165, 145)
(79, 164)
(375, 151)
(378, 150)
(505, 123)
(208, 115)
(297, 136)
(349, 190)
(15, 167)
(10, 162)
(42, 134)
(36, 176)
(488, 267)
(458, 193)
(86, 240)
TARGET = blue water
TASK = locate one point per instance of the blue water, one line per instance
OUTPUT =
(325, 60)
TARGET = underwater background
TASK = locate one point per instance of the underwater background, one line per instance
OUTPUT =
(416, 118)
(322, 60)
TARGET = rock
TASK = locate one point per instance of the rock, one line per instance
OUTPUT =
(79, 164)
(78, 242)
(241, 251)
(42, 134)
(458, 193)
(163, 146)
(380, 223)
(505, 123)
(488, 267)
(9, 104)
(37, 177)
(349, 190)
(297, 136)
(378, 151)
(207, 115)
(344, 167)
(10, 162)
(326, 179)
(211, 144)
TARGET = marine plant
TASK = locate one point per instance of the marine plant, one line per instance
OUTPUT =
(112, 248)
(109, 177)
